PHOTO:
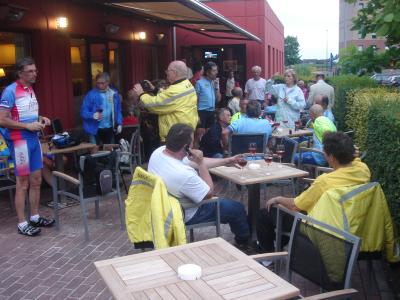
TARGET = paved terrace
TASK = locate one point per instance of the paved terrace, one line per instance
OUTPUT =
(59, 265)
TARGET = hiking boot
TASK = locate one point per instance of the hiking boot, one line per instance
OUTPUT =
(42, 222)
(29, 230)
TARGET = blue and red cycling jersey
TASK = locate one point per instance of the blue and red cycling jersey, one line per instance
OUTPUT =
(23, 106)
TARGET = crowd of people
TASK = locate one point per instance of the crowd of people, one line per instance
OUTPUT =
(194, 123)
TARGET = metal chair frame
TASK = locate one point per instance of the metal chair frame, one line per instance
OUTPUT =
(80, 196)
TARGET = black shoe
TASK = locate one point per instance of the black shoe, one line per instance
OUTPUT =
(42, 222)
(246, 247)
(29, 230)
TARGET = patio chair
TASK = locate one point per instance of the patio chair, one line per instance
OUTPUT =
(86, 188)
(134, 155)
(318, 252)
(7, 181)
(140, 199)
(239, 143)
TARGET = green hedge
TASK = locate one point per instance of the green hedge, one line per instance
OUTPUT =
(383, 149)
(346, 85)
(357, 116)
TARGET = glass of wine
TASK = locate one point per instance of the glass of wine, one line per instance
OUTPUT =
(252, 149)
(280, 151)
(268, 160)
(242, 163)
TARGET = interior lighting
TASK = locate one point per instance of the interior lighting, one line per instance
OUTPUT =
(139, 36)
(2, 73)
(7, 56)
(62, 22)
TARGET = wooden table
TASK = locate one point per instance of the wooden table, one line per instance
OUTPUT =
(295, 133)
(253, 178)
(227, 273)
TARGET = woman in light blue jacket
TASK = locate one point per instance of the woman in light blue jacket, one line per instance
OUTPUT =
(290, 99)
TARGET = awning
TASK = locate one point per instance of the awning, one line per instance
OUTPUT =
(188, 14)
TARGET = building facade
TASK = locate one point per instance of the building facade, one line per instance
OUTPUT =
(349, 37)
(255, 16)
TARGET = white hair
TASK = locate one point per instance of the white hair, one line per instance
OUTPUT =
(255, 68)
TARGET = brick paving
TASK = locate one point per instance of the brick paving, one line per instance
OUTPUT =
(59, 265)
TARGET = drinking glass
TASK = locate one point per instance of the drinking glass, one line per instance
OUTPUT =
(280, 151)
(252, 149)
(268, 160)
(242, 163)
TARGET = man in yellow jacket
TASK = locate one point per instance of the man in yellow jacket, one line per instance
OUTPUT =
(348, 173)
(175, 104)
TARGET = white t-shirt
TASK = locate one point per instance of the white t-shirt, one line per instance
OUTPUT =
(181, 180)
(255, 89)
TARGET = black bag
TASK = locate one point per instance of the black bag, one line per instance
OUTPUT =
(98, 171)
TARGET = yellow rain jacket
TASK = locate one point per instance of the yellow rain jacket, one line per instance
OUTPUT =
(176, 104)
(152, 214)
(363, 211)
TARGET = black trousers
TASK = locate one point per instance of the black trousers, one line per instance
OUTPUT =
(105, 136)
(266, 224)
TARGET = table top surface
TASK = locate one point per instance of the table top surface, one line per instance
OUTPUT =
(281, 132)
(227, 273)
(263, 174)
(81, 146)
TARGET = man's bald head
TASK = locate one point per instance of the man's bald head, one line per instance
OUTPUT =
(318, 99)
(316, 111)
(176, 70)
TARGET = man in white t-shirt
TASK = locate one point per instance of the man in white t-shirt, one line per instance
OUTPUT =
(175, 163)
(255, 87)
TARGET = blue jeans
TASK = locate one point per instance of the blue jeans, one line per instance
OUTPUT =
(231, 212)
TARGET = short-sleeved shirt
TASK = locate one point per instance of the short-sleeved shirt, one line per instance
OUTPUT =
(255, 89)
(23, 106)
(181, 180)
(205, 94)
(237, 116)
(357, 173)
(251, 125)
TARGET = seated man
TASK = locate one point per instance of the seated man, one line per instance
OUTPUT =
(321, 125)
(324, 102)
(339, 152)
(213, 142)
(252, 122)
(243, 106)
(175, 163)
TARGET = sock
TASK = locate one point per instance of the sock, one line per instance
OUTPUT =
(22, 225)
(34, 218)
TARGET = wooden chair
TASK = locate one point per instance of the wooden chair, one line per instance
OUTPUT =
(7, 180)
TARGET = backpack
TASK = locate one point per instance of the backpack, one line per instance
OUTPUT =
(99, 172)
(124, 146)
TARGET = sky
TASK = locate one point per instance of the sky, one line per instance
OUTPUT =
(313, 22)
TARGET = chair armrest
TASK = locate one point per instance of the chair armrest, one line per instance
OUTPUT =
(289, 165)
(320, 170)
(305, 149)
(110, 147)
(333, 294)
(66, 177)
(307, 180)
(192, 204)
(269, 256)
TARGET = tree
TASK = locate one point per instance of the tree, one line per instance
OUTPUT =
(292, 56)
(353, 60)
(381, 17)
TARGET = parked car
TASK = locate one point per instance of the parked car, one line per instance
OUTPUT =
(380, 78)
(395, 80)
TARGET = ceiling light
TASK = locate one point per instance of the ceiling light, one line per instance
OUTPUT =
(62, 22)
(139, 36)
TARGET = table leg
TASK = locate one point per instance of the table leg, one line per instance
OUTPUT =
(253, 207)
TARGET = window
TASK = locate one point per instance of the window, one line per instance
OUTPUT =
(360, 47)
(361, 5)
(12, 47)
(373, 35)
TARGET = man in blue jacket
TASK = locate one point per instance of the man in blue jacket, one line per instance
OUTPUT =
(101, 111)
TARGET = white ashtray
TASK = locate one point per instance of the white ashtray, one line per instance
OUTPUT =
(189, 272)
(253, 166)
